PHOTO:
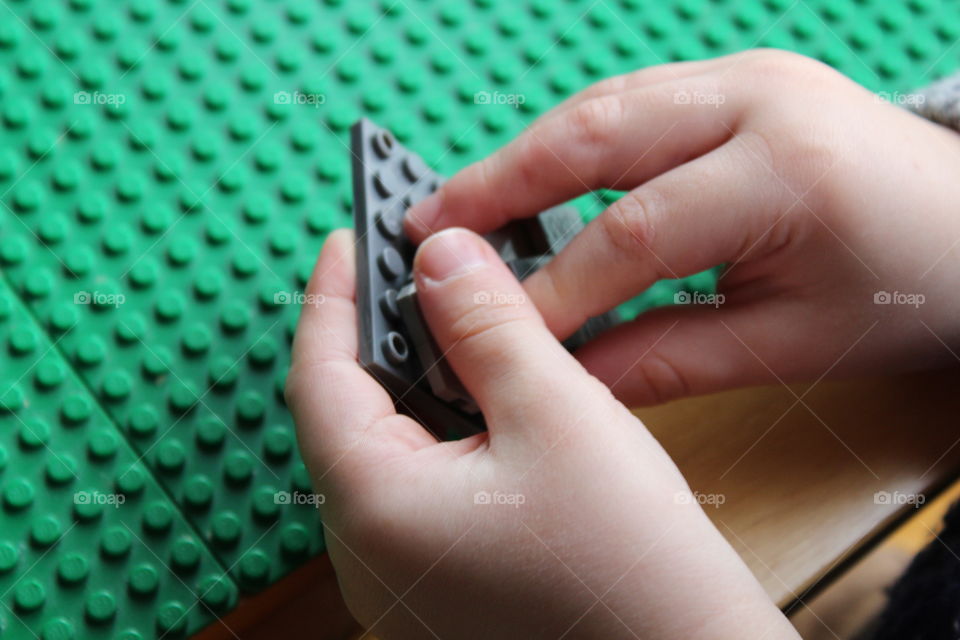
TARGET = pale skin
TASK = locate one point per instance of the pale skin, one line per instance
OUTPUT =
(816, 194)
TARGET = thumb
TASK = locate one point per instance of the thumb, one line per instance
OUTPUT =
(494, 337)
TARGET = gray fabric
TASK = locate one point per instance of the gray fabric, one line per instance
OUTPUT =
(939, 102)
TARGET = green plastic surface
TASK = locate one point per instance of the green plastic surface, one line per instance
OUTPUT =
(90, 544)
(168, 171)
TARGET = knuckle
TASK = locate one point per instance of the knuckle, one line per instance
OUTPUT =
(627, 224)
(661, 379)
(293, 386)
(783, 68)
(597, 122)
(609, 85)
(480, 322)
(534, 155)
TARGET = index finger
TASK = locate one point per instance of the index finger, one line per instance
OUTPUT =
(616, 141)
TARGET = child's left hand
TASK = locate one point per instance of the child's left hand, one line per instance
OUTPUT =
(566, 519)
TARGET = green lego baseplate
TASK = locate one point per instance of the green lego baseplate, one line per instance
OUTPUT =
(168, 171)
(90, 545)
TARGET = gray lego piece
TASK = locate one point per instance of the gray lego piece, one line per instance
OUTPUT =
(396, 346)
(386, 180)
(436, 370)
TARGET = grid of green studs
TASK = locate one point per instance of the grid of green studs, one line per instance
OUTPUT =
(73, 563)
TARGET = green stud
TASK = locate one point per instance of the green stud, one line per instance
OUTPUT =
(63, 318)
(216, 233)
(263, 352)
(211, 433)
(102, 444)
(283, 240)
(115, 542)
(58, 629)
(85, 508)
(76, 409)
(12, 251)
(144, 273)
(294, 540)
(90, 352)
(198, 492)
(301, 479)
(61, 469)
(156, 363)
(130, 329)
(101, 607)
(217, 593)
(196, 340)
(45, 531)
(235, 316)
(171, 619)
(169, 307)
(38, 284)
(250, 407)
(73, 568)
(226, 529)
(183, 397)
(18, 494)
(53, 229)
(278, 443)
(171, 456)
(9, 555)
(265, 504)
(143, 580)
(143, 422)
(157, 517)
(131, 480)
(254, 567)
(208, 283)
(185, 554)
(29, 595)
(34, 433)
(12, 398)
(116, 386)
(238, 467)
(223, 372)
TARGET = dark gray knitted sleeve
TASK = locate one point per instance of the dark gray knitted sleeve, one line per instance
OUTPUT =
(939, 102)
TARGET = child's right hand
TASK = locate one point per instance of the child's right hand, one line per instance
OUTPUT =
(829, 205)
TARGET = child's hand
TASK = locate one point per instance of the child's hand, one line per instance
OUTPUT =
(566, 519)
(838, 213)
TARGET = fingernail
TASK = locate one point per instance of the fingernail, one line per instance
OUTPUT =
(423, 215)
(450, 253)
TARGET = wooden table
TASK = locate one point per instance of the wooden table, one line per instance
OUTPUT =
(798, 469)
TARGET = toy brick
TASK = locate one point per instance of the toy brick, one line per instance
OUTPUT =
(90, 545)
(387, 179)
